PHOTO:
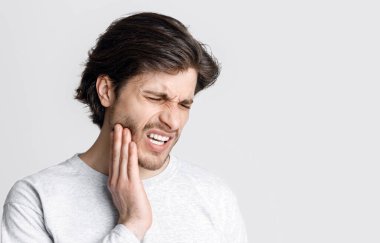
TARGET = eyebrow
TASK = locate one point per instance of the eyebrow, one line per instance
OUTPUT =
(166, 97)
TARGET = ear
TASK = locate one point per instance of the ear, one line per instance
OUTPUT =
(105, 90)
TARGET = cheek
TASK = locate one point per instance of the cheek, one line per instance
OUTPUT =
(184, 119)
(139, 110)
(146, 115)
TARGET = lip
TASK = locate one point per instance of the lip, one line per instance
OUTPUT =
(158, 148)
(161, 133)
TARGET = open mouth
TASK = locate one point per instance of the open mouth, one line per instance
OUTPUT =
(158, 139)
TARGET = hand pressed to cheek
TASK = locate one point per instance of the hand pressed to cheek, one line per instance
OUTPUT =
(125, 185)
(124, 156)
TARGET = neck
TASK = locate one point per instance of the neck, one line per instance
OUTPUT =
(98, 156)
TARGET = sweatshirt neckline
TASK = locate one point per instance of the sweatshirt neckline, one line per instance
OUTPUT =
(158, 179)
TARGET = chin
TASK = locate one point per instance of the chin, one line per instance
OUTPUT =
(152, 162)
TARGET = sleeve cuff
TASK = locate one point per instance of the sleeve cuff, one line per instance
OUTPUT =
(125, 233)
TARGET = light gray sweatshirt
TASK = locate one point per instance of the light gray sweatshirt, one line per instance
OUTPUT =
(70, 202)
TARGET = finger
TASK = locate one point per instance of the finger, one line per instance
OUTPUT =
(133, 165)
(116, 153)
(123, 176)
(110, 166)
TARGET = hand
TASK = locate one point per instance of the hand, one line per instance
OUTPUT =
(125, 185)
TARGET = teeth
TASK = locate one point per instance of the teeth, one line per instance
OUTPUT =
(156, 142)
(158, 137)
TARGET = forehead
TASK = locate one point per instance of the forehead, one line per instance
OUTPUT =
(180, 84)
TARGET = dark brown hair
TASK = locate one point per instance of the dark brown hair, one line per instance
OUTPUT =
(143, 42)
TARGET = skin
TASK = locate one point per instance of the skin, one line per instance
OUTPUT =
(150, 103)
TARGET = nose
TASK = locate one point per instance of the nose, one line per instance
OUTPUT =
(171, 117)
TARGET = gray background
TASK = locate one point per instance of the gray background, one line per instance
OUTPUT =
(292, 124)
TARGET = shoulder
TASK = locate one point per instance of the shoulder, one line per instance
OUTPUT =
(206, 181)
(215, 194)
(27, 190)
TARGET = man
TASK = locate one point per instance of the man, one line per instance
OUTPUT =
(139, 82)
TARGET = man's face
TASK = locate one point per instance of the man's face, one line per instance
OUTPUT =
(155, 107)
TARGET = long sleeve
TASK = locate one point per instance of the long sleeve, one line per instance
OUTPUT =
(22, 224)
(24, 220)
(120, 234)
(70, 202)
(236, 232)
(234, 229)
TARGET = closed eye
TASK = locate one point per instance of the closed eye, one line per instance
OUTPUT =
(186, 106)
(161, 100)
(154, 98)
